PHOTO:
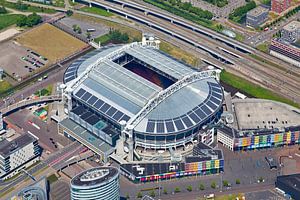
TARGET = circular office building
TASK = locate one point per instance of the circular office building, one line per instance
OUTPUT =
(138, 90)
(100, 183)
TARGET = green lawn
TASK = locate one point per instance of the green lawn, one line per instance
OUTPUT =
(4, 85)
(26, 8)
(52, 178)
(8, 20)
(97, 11)
(59, 3)
(263, 47)
(102, 39)
(253, 89)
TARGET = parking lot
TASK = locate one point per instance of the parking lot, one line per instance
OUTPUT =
(84, 26)
(19, 61)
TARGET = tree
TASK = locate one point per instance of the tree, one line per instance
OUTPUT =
(69, 13)
(88, 35)
(261, 179)
(127, 196)
(225, 183)
(237, 181)
(213, 185)
(22, 21)
(79, 31)
(139, 195)
(177, 190)
(75, 26)
(3, 10)
(152, 193)
(189, 188)
(33, 19)
(165, 191)
(201, 186)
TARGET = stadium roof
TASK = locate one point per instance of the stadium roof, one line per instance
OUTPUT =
(120, 94)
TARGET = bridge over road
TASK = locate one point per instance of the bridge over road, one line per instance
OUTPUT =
(28, 102)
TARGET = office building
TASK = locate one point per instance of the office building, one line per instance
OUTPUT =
(291, 32)
(101, 183)
(17, 154)
(257, 16)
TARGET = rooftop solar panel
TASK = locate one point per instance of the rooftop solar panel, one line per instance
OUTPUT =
(78, 110)
(218, 90)
(217, 95)
(211, 105)
(105, 107)
(150, 127)
(179, 125)
(118, 115)
(99, 103)
(187, 121)
(214, 84)
(206, 109)
(92, 120)
(216, 101)
(125, 118)
(194, 117)
(200, 113)
(80, 92)
(160, 127)
(111, 111)
(86, 96)
(92, 100)
(170, 126)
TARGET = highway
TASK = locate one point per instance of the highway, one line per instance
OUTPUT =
(284, 80)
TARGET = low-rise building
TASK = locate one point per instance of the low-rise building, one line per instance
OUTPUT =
(18, 154)
(203, 161)
(257, 139)
(285, 51)
(257, 16)
(291, 32)
(279, 6)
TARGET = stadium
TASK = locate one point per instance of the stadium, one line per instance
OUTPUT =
(140, 95)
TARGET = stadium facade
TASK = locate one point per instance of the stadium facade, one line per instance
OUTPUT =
(139, 95)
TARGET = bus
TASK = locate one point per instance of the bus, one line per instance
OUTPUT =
(90, 30)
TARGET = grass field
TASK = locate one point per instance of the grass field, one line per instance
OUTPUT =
(253, 89)
(52, 178)
(4, 85)
(50, 42)
(8, 20)
(97, 11)
(179, 54)
(29, 8)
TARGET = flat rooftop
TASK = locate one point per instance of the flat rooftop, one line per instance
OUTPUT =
(292, 26)
(264, 114)
(94, 176)
(255, 12)
(290, 184)
(86, 137)
(8, 147)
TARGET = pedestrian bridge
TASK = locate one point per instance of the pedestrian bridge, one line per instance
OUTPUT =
(28, 102)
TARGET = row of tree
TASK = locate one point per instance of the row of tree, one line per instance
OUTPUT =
(240, 13)
(189, 188)
(185, 10)
(30, 20)
(219, 3)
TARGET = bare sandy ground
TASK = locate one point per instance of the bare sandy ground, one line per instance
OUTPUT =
(8, 33)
